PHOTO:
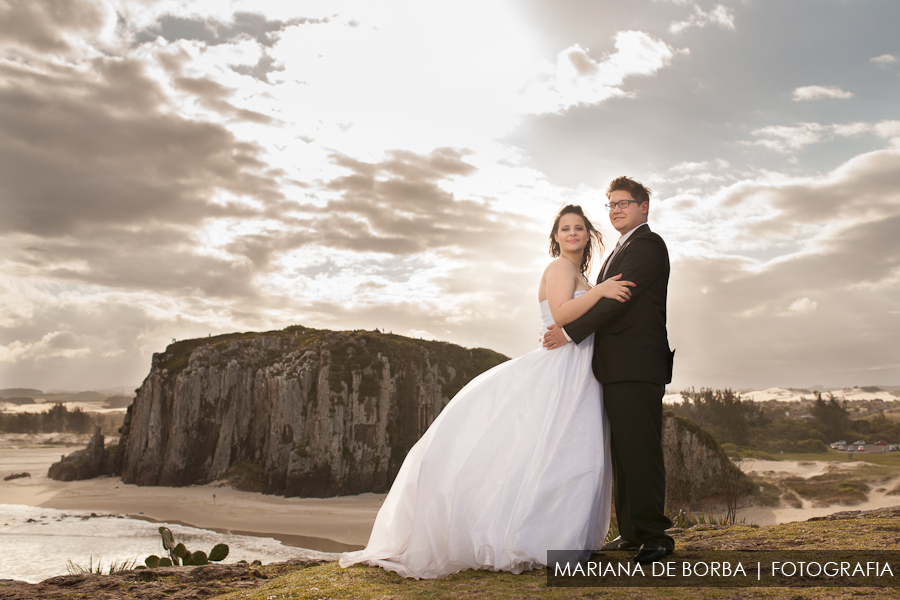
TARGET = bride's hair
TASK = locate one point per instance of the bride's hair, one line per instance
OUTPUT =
(593, 233)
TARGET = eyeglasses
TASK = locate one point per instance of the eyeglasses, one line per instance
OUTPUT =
(623, 204)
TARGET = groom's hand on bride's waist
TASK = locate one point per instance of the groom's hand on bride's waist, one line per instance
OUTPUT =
(555, 338)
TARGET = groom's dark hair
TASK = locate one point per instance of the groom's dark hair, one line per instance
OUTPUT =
(638, 190)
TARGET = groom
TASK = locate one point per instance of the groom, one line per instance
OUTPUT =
(633, 362)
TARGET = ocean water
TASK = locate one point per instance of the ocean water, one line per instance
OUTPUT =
(36, 543)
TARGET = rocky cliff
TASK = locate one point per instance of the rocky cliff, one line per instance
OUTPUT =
(306, 412)
(316, 413)
(696, 466)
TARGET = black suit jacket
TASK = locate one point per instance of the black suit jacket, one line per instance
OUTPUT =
(631, 342)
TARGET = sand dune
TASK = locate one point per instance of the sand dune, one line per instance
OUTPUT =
(770, 515)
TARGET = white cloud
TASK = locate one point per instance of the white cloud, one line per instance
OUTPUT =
(579, 79)
(783, 138)
(403, 77)
(852, 129)
(817, 92)
(884, 60)
(719, 15)
(56, 344)
(823, 248)
(888, 129)
(215, 224)
(803, 305)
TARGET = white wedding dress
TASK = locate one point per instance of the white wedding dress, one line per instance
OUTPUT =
(515, 465)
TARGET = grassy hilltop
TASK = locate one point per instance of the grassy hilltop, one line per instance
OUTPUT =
(854, 530)
(875, 530)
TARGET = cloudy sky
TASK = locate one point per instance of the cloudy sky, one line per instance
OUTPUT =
(173, 169)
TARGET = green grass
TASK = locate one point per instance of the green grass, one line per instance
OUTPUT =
(890, 459)
(370, 583)
(892, 415)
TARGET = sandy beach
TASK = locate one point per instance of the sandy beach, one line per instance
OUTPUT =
(324, 524)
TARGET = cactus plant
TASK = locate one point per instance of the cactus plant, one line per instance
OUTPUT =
(180, 551)
(168, 542)
(179, 555)
(168, 539)
(219, 552)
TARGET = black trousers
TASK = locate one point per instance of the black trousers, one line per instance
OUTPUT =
(634, 409)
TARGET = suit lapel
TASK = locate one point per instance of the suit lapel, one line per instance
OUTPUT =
(642, 230)
(603, 268)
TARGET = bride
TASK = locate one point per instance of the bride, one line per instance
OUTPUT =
(518, 462)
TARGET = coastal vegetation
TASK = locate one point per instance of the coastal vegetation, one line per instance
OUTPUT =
(748, 428)
(838, 485)
(115, 566)
(853, 531)
(179, 555)
(30, 411)
(56, 419)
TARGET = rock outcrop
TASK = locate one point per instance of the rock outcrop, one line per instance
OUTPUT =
(314, 413)
(696, 466)
(178, 583)
(305, 412)
(93, 461)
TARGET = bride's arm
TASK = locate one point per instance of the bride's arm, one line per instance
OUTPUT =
(561, 276)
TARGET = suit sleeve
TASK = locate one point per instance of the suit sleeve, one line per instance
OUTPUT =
(646, 260)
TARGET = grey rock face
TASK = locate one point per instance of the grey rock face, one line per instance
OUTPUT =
(318, 413)
(696, 467)
(91, 462)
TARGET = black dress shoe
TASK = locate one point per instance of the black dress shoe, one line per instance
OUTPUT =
(620, 543)
(651, 552)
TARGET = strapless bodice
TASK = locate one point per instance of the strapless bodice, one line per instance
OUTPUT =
(546, 317)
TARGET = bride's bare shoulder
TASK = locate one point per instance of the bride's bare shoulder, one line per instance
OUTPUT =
(558, 272)
(559, 265)
(557, 268)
